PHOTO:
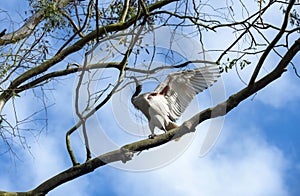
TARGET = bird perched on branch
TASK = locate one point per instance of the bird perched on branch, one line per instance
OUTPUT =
(167, 102)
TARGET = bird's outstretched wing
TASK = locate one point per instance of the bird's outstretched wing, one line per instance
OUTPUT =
(180, 88)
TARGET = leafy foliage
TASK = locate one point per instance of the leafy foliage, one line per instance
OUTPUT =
(231, 63)
(295, 18)
(52, 15)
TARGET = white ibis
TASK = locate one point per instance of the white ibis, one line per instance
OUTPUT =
(167, 102)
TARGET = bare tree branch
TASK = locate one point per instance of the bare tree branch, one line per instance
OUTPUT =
(246, 30)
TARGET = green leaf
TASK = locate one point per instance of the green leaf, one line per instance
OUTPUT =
(15, 94)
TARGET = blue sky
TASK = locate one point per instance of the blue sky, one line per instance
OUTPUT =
(256, 154)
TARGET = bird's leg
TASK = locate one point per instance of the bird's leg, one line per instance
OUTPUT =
(152, 127)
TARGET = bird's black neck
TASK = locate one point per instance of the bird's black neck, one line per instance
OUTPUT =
(138, 89)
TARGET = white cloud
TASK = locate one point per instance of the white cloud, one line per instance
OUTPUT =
(242, 163)
(46, 155)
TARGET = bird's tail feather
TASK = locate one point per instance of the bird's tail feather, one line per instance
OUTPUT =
(171, 125)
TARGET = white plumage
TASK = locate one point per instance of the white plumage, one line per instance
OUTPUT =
(168, 101)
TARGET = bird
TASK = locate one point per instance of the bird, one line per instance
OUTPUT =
(163, 106)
